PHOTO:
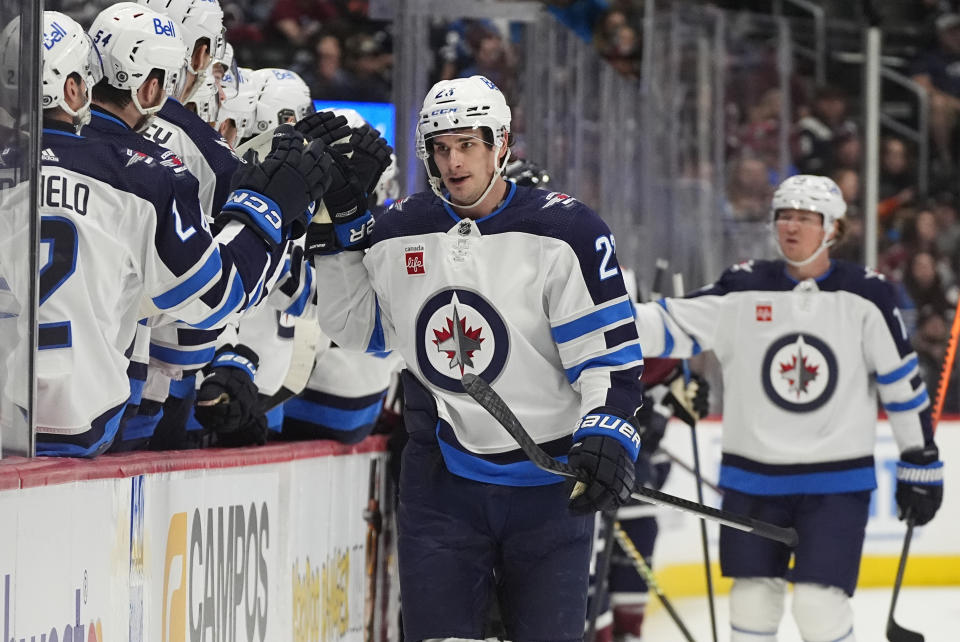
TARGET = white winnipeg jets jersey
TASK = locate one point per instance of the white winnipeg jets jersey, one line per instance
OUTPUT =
(530, 298)
(803, 363)
(122, 239)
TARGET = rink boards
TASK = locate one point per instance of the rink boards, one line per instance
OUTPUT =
(261, 544)
(934, 551)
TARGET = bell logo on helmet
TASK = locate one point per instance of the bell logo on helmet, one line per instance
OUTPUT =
(162, 29)
(51, 39)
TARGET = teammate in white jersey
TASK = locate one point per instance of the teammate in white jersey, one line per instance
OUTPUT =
(806, 345)
(522, 287)
(125, 237)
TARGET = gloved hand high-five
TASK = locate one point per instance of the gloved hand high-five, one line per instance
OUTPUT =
(278, 193)
(325, 126)
(604, 451)
(346, 202)
(919, 484)
(371, 156)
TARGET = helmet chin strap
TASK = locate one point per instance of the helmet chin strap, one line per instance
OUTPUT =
(436, 182)
(823, 245)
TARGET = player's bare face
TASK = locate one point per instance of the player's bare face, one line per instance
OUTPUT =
(799, 233)
(466, 164)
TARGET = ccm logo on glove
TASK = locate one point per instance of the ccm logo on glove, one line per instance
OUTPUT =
(612, 423)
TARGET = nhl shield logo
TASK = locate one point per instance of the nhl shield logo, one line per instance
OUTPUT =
(459, 331)
(799, 372)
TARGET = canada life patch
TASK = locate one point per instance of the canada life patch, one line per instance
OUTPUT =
(413, 257)
(764, 312)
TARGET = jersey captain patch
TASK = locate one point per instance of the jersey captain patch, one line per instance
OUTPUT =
(459, 331)
(799, 372)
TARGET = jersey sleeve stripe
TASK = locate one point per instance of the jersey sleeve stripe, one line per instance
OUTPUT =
(300, 304)
(912, 404)
(377, 342)
(197, 282)
(181, 357)
(593, 321)
(628, 356)
(233, 301)
(901, 372)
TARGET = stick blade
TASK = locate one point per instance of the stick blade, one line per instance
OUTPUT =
(896, 633)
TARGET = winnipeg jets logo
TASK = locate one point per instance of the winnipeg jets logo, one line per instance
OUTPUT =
(458, 341)
(459, 331)
(799, 372)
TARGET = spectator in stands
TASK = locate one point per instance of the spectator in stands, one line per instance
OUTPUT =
(492, 59)
(815, 135)
(921, 288)
(897, 176)
(749, 190)
(327, 78)
(944, 209)
(938, 70)
(918, 232)
(370, 66)
(930, 342)
(760, 134)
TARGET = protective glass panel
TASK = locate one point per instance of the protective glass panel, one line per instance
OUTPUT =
(19, 153)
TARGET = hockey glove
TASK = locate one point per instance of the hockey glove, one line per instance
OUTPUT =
(351, 222)
(371, 156)
(919, 484)
(689, 400)
(227, 397)
(278, 193)
(604, 451)
(325, 126)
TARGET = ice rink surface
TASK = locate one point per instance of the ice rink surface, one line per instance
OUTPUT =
(933, 612)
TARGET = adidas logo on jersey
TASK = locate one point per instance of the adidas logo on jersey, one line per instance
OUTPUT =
(48, 156)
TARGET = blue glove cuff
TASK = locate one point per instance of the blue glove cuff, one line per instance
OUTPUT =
(234, 360)
(605, 425)
(356, 232)
(259, 210)
(927, 474)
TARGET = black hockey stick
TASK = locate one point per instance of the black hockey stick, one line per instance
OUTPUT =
(647, 574)
(708, 571)
(601, 577)
(688, 468)
(895, 632)
(487, 397)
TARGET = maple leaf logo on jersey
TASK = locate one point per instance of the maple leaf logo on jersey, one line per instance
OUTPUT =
(798, 372)
(458, 341)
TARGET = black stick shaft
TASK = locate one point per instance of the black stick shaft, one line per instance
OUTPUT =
(895, 632)
(647, 574)
(487, 397)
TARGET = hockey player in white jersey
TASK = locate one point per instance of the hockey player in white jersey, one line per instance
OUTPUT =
(109, 209)
(806, 344)
(522, 287)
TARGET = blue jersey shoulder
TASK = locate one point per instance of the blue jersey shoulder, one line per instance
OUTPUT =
(865, 282)
(110, 162)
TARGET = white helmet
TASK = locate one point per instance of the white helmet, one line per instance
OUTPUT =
(461, 103)
(226, 71)
(197, 19)
(387, 189)
(282, 95)
(811, 194)
(242, 108)
(67, 50)
(206, 99)
(133, 41)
